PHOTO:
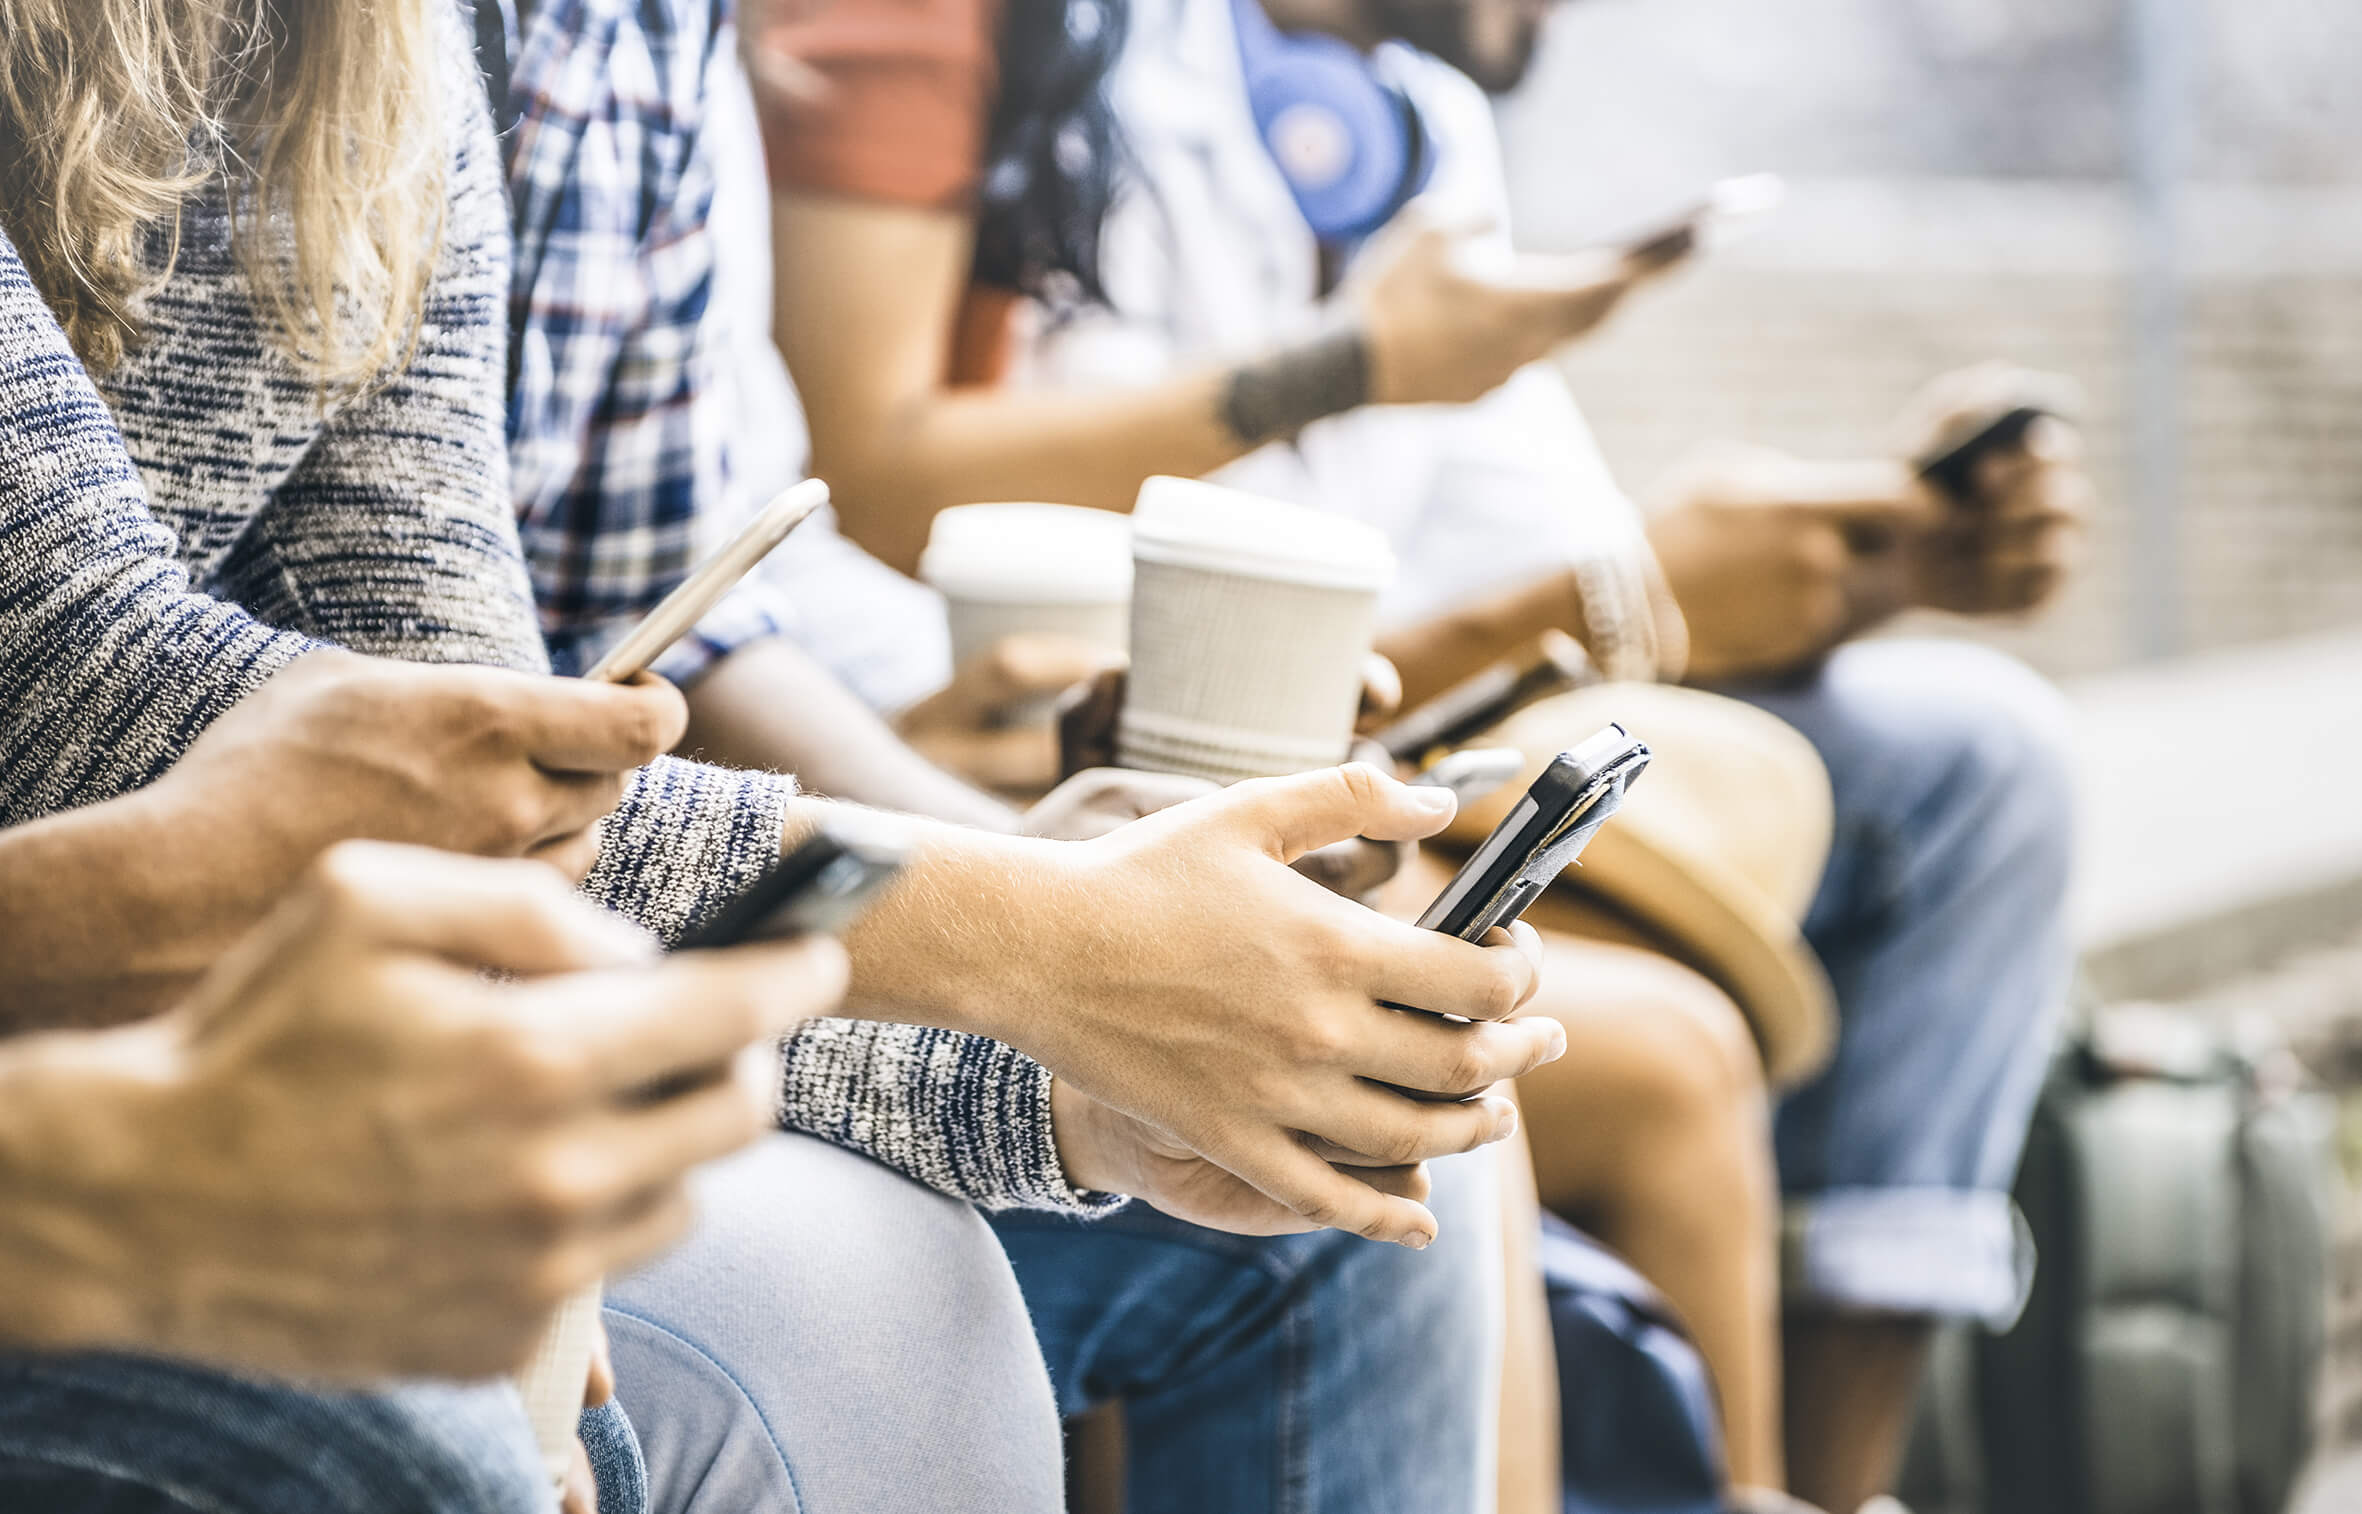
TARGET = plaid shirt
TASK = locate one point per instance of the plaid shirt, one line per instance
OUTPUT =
(616, 419)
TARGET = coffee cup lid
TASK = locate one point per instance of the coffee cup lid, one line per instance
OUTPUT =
(1032, 554)
(1188, 523)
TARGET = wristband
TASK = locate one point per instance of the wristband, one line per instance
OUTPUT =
(1281, 394)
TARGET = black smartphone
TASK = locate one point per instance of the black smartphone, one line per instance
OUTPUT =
(1476, 704)
(1954, 470)
(822, 886)
(1544, 832)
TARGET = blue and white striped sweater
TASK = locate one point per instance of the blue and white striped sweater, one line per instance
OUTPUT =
(166, 549)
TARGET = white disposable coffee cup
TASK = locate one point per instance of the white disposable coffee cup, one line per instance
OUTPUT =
(1006, 569)
(1251, 621)
(552, 1382)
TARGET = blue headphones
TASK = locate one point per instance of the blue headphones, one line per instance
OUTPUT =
(1349, 144)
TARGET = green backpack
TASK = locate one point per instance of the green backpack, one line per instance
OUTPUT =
(2167, 1357)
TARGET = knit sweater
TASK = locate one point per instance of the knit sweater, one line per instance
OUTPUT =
(166, 547)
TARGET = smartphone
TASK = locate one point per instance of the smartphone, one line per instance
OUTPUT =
(1730, 209)
(1954, 470)
(1475, 705)
(1540, 836)
(820, 887)
(715, 577)
(1473, 772)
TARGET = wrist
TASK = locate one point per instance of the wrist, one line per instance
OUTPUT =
(1080, 1126)
(970, 938)
(1280, 395)
(80, 1115)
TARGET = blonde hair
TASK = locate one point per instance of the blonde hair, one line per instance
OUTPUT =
(324, 114)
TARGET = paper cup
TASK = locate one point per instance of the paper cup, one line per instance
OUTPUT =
(1004, 570)
(552, 1382)
(1251, 620)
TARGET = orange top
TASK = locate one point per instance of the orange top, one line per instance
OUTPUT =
(886, 100)
(878, 99)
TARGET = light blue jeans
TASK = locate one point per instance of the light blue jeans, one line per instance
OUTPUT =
(1311, 1374)
(833, 1339)
(1941, 920)
(104, 1434)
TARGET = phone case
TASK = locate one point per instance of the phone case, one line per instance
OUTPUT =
(1546, 830)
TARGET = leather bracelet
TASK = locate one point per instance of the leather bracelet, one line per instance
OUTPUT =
(1281, 394)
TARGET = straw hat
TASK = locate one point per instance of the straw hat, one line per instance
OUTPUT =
(1718, 848)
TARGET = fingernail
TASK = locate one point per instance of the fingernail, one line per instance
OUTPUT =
(1432, 799)
(1418, 1240)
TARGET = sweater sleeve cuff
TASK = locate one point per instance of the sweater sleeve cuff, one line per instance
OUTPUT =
(687, 839)
(962, 1114)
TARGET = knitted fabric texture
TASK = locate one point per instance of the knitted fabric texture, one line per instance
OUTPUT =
(165, 549)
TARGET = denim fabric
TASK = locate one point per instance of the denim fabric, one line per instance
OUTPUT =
(1310, 1374)
(833, 1339)
(102, 1434)
(1941, 920)
(615, 1461)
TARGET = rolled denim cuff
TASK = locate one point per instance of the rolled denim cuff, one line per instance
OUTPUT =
(1947, 1252)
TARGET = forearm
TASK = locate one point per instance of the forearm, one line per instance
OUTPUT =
(769, 707)
(71, 1109)
(963, 940)
(108, 913)
(951, 446)
(1434, 654)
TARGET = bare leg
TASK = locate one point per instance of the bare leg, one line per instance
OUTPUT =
(1852, 1383)
(1529, 1360)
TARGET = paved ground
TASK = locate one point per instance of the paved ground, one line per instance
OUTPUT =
(2336, 1487)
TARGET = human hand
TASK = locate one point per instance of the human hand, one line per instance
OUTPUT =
(1111, 1152)
(1354, 867)
(1440, 332)
(352, 1155)
(965, 726)
(481, 761)
(2011, 542)
(1774, 560)
(1187, 978)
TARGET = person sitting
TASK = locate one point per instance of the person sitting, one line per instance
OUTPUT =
(346, 1157)
(606, 534)
(1386, 376)
(169, 579)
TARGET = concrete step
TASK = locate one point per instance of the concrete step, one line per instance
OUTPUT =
(2221, 814)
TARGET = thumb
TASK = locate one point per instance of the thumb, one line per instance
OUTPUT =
(1288, 817)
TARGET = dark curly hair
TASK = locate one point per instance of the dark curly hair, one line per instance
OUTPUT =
(1052, 150)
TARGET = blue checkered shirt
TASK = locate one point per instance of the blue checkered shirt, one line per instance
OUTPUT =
(616, 416)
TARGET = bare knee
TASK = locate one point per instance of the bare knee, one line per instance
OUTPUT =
(1660, 1067)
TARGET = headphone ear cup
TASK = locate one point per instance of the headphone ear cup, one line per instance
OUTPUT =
(1348, 145)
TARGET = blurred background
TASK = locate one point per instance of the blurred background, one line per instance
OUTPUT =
(2163, 199)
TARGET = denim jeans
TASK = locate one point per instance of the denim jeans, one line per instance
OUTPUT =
(105, 1434)
(1941, 920)
(1310, 1374)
